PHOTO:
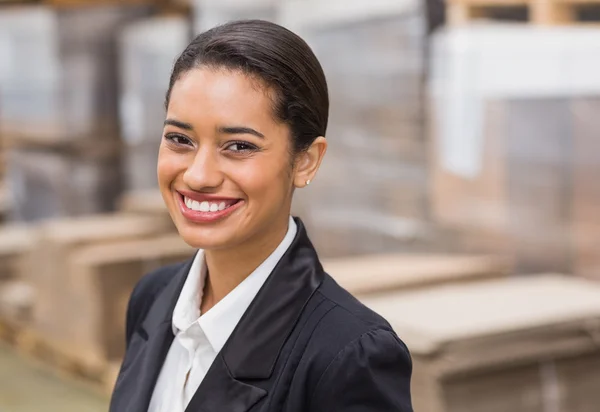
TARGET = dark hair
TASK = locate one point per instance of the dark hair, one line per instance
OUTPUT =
(276, 56)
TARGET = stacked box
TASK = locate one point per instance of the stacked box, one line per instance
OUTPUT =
(516, 152)
(149, 202)
(537, 187)
(48, 268)
(16, 294)
(523, 185)
(210, 13)
(29, 97)
(148, 50)
(16, 243)
(585, 202)
(16, 302)
(527, 344)
(102, 280)
(374, 174)
(59, 183)
(75, 96)
(384, 273)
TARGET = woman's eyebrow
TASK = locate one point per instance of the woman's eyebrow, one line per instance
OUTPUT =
(177, 123)
(240, 130)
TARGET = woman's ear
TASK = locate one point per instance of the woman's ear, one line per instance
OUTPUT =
(307, 163)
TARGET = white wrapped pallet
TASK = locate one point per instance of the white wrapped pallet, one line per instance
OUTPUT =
(148, 50)
(476, 64)
(374, 175)
(28, 42)
(50, 184)
(210, 13)
(75, 95)
(514, 139)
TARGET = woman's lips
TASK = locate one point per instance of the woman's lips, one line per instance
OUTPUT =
(209, 210)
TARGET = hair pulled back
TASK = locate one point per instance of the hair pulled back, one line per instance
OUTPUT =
(280, 59)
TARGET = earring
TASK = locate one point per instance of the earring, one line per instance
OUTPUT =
(307, 182)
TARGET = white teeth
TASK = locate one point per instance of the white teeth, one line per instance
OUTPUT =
(204, 206)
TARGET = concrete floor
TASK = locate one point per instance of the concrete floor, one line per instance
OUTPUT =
(28, 387)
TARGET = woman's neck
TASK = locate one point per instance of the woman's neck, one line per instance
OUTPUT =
(227, 268)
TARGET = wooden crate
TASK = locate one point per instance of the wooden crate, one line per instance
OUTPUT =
(383, 273)
(540, 12)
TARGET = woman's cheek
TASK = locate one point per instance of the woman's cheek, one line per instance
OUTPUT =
(169, 165)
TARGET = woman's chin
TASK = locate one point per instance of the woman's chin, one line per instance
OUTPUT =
(205, 239)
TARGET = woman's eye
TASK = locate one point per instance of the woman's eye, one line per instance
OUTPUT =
(241, 147)
(178, 139)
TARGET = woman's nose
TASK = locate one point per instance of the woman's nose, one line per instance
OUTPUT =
(204, 172)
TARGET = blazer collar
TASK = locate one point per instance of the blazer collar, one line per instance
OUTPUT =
(162, 309)
(156, 329)
(254, 346)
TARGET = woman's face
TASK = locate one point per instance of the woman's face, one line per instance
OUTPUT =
(224, 167)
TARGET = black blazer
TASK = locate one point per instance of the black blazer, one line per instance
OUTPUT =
(304, 344)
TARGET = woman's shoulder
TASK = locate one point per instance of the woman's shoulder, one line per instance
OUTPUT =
(152, 283)
(355, 357)
(349, 323)
(145, 292)
(349, 310)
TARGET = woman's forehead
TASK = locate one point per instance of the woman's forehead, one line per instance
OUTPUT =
(223, 97)
(220, 92)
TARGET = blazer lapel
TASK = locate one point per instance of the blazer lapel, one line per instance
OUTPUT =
(157, 329)
(251, 351)
(220, 391)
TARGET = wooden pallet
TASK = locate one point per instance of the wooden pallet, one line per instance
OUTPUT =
(539, 12)
(33, 346)
(37, 352)
(9, 331)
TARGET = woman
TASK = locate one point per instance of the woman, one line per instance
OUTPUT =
(251, 323)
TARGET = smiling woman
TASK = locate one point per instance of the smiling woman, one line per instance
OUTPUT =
(252, 322)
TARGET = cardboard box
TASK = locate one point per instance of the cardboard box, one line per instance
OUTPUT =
(60, 239)
(527, 344)
(147, 202)
(369, 274)
(16, 302)
(17, 241)
(102, 278)
(534, 185)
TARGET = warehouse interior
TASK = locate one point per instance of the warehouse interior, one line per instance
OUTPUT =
(471, 222)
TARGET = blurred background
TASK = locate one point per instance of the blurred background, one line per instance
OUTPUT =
(458, 196)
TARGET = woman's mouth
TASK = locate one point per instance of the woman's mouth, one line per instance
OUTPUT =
(208, 209)
(208, 206)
